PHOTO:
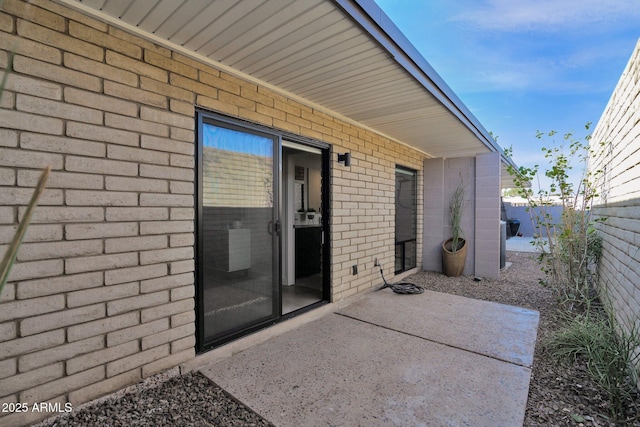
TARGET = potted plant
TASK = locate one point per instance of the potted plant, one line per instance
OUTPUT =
(454, 250)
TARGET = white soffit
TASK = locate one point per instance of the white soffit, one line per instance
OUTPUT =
(312, 49)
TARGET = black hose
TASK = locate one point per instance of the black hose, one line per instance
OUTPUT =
(402, 287)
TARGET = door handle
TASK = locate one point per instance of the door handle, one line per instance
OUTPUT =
(273, 226)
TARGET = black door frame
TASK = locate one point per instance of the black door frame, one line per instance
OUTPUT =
(234, 123)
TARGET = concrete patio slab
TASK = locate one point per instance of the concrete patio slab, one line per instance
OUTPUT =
(496, 330)
(340, 370)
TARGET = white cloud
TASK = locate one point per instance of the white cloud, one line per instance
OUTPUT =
(496, 70)
(523, 15)
(533, 63)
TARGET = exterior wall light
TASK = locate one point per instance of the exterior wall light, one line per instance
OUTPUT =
(346, 158)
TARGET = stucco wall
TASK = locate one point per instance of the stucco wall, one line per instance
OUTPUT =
(487, 216)
(619, 202)
(481, 217)
(103, 291)
(525, 213)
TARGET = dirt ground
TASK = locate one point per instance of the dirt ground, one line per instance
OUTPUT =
(559, 395)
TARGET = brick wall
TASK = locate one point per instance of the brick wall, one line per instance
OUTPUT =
(228, 167)
(363, 209)
(619, 203)
(103, 291)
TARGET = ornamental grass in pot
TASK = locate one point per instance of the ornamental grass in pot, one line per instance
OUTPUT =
(454, 249)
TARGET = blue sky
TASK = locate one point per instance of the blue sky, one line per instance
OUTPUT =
(523, 66)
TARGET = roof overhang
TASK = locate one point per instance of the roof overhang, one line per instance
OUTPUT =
(344, 57)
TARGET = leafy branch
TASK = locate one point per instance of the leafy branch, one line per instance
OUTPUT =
(570, 246)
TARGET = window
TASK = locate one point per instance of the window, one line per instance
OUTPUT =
(406, 219)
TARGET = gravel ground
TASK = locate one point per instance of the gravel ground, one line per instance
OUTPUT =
(163, 400)
(558, 395)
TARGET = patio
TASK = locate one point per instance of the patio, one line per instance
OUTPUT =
(387, 359)
(521, 244)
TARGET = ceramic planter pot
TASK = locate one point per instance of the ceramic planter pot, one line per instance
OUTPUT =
(453, 262)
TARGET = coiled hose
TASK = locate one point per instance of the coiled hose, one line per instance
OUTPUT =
(402, 287)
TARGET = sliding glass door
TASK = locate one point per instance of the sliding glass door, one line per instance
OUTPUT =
(238, 230)
(263, 252)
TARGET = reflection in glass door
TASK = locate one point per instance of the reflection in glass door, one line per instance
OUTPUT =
(406, 219)
(238, 256)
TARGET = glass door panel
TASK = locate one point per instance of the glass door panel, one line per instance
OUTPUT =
(239, 255)
(302, 220)
(406, 219)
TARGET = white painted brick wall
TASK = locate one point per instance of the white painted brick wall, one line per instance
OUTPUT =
(61, 319)
(60, 353)
(619, 202)
(102, 326)
(97, 358)
(100, 388)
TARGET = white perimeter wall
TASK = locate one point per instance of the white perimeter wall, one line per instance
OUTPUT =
(619, 203)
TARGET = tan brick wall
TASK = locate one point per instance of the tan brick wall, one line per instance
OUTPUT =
(103, 291)
(619, 202)
(363, 205)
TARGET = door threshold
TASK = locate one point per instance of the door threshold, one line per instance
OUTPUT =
(286, 323)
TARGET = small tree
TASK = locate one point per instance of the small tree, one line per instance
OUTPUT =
(570, 247)
(570, 258)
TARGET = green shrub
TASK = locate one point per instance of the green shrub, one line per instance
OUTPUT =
(590, 333)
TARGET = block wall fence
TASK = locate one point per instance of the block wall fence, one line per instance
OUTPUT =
(480, 222)
(619, 203)
(103, 291)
